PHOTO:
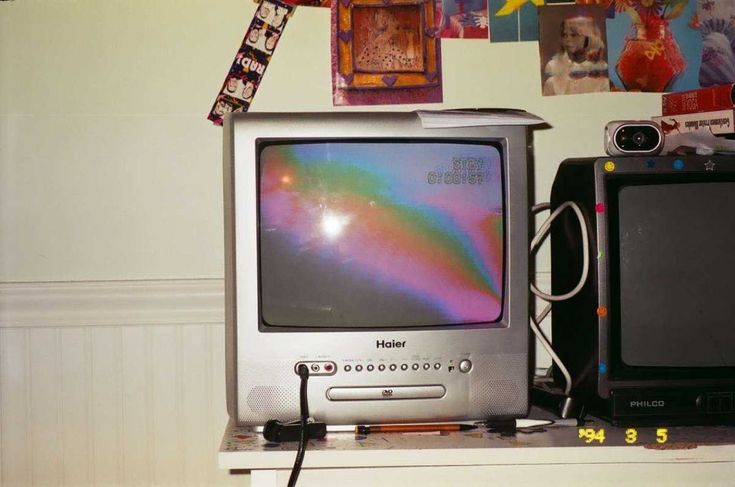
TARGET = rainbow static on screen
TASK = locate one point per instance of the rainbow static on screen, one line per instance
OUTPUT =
(369, 206)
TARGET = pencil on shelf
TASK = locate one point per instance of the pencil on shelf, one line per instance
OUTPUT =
(412, 428)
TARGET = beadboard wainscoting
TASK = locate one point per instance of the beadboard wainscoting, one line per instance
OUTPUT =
(112, 383)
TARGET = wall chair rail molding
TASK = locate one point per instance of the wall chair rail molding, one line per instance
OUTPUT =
(107, 303)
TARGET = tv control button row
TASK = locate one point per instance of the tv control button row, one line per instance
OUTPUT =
(465, 366)
(385, 393)
(394, 367)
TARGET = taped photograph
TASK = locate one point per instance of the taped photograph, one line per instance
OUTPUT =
(572, 49)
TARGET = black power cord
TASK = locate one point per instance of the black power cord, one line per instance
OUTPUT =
(303, 371)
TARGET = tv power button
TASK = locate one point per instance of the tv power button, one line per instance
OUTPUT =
(465, 366)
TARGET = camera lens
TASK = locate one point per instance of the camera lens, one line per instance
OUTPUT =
(637, 139)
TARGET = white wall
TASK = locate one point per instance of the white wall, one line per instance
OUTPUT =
(109, 171)
(108, 166)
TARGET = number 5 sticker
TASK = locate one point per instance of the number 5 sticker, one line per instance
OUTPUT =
(662, 435)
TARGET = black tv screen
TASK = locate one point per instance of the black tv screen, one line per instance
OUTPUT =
(675, 265)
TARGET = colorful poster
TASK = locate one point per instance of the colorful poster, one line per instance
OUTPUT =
(572, 49)
(462, 19)
(717, 27)
(654, 45)
(252, 58)
(385, 52)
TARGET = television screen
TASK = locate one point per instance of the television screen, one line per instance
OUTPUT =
(675, 285)
(380, 233)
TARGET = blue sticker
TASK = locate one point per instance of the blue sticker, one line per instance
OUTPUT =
(678, 164)
(603, 368)
(650, 164)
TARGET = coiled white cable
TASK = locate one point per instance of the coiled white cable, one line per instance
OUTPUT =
(543, 233)
(536, 242)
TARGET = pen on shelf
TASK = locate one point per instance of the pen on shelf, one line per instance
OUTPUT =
(438, 427)
(411, 428)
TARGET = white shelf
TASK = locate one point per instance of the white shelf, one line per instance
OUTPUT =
(706, 454)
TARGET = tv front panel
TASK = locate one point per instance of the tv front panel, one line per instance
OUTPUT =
(389, 258)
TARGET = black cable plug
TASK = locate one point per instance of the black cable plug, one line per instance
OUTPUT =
(278, 432)
(303, 371)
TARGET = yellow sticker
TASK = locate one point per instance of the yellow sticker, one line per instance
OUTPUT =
(609, 166)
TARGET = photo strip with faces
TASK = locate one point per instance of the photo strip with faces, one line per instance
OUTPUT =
(251, 61)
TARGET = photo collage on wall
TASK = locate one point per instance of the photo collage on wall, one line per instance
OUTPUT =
(623, 45)
(389, 51)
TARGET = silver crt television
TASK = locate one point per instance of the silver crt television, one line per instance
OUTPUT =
(390, 258)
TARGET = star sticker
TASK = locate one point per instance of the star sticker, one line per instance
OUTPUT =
(709, 166)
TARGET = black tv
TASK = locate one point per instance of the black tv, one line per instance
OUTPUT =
(650, 339)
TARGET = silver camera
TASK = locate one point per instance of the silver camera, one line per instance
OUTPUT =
(633, 138)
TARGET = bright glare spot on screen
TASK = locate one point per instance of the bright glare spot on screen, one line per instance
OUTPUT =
(286, 179)
(333, 225)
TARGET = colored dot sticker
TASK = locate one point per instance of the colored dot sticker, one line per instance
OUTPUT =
(650, 164)
(600, 207)
(600, 255)
(602, 311)
(602, 368)
(678, 164)
(609, 166)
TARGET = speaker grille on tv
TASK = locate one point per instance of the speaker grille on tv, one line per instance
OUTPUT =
(500, 396)
(271, 391)
(273, 401)
(501, 389)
